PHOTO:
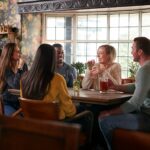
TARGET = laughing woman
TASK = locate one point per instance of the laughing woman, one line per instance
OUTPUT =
(11, 69)
(106, 66)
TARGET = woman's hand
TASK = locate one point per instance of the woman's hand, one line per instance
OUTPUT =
(90, 64)
(21, 63)
(94, 72)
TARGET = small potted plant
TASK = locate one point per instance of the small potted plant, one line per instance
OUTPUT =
(80, 67)
(133, 67)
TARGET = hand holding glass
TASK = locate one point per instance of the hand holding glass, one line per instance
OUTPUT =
(94, 72)
(90, 64)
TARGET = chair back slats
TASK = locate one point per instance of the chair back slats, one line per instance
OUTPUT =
(25, 134)
(38, 109)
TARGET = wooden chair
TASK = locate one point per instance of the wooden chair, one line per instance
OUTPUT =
(27, 134)
(49, 111)
(38, 110)
(130, 140)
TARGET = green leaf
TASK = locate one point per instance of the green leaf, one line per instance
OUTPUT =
(80, 67)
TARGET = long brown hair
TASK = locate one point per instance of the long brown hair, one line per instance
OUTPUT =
(6, 61)
(36, 82)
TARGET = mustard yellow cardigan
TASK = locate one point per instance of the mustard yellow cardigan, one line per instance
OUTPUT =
(58, 92)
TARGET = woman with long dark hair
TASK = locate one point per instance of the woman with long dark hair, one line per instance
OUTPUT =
(42, 83)
(11, 69)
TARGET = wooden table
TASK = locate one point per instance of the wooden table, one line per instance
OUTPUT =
(92, 96)
(95, 97)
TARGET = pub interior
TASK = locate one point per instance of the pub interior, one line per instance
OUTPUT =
(78, 32)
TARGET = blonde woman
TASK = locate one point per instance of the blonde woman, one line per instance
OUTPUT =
(105, 67)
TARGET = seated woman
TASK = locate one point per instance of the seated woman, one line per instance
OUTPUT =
(42, 83)
(11, 69)
(105, 67)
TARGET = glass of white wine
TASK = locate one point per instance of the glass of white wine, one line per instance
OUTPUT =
(76, 86)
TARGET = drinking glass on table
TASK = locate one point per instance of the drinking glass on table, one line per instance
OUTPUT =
(103, 84)
(76, 87)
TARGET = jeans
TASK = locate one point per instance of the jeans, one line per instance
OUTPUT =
(9, 110)
(135, 121)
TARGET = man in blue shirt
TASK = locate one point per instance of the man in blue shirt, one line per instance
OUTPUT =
(66, 70)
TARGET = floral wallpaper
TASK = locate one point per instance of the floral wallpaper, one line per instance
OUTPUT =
(28, 24)
(31, 34)
(9, 13)
(8, 16)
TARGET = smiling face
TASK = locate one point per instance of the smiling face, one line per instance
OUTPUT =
(16, 54)
(103, 57)
(59, 56)
(134, 52)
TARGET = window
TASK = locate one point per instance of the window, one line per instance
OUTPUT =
(82, 34)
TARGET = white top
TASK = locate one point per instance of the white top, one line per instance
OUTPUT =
(113, 72)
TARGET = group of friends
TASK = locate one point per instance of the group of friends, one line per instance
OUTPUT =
(49, 77)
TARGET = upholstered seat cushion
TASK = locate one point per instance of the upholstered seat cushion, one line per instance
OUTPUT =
(131, 140)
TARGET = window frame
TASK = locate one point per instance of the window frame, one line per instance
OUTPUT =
(74, 40)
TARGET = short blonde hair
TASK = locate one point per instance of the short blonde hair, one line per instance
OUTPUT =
(110, 50)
